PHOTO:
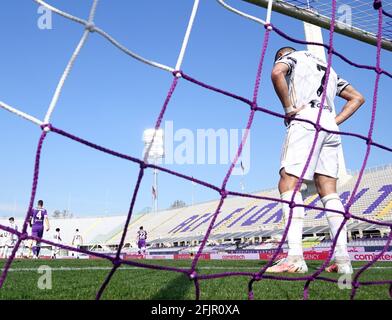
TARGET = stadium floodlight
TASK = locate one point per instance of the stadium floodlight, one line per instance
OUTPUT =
(153, 151)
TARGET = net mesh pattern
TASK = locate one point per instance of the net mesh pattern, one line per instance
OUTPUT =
(179, 75)
(361, 13)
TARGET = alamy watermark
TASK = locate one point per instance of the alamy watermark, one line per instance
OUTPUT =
(345, 16)
(184, 146)
(45, 19)
(344, 282)
(45, 281)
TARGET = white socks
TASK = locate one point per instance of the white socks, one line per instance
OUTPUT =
(294, 236)
(332, 201)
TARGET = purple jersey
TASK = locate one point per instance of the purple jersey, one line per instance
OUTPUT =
(38, 217)
(141, 235)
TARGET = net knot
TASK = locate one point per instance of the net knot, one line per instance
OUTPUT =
(90, 26)
(253, 106)
(292, 204)
(46, 127)
(193, 275)
(268, 26)
(369, 141)
(317, 127)
(355, 284)
(256, 277)
(23, 236)
(116, 262)
(347, 215)
(223, 193)
(177, 73)
(377, 4)
(143, 165)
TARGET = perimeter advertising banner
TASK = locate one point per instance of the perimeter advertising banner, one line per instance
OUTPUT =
(356, 254)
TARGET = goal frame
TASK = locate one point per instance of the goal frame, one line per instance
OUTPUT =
(322, 21)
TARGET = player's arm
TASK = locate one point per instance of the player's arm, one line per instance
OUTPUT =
(278, 77)
(47, 223)
(354, 100)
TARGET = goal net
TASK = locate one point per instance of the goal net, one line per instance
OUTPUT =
(369, 26)
(354, 18)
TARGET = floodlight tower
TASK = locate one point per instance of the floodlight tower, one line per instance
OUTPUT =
(154, 151)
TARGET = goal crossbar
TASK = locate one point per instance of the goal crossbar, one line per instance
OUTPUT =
(310, 16)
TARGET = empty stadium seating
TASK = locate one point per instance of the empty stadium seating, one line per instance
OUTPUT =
(240, 219)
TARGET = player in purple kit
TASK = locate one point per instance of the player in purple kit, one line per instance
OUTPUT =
(141, 240)
(38, 218)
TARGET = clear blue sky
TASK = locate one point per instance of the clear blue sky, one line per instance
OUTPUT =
(110, 99)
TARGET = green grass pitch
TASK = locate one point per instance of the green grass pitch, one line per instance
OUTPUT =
(80, 279)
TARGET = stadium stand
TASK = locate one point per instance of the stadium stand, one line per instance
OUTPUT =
(242, 224)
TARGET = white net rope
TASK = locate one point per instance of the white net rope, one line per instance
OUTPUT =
(90, 27)
(354, 18)
(357, 13)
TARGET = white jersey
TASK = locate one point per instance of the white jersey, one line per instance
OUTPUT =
(10, 236)
(57, 237)
(2, 237)
(77, 240)
(305, 79)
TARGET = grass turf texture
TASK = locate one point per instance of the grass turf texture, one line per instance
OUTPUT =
(137, 283)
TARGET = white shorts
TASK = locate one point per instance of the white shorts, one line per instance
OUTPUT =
(10, 243)
(297, 146)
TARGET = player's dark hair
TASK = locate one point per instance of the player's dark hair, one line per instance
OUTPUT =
(11, 219)
(281, 50)
(40, 203)
(57, 229)
(77, 230)
(141, 228)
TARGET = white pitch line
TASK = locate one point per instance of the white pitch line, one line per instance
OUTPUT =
(136, 268)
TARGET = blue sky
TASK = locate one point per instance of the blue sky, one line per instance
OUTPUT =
(111, 98)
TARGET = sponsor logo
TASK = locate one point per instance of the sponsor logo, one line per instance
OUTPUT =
(371, 256)
(203, 256)
(134, 256)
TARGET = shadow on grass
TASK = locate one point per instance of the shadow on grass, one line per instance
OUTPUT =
(175, 289)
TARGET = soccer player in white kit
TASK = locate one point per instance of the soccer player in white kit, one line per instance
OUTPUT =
(9, 238)
(298, 78)
(77, 241)
(57, 239)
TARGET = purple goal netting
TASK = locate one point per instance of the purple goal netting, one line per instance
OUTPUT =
(178, 75)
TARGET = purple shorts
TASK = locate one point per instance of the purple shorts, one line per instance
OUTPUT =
(37, 231)
(141, 244)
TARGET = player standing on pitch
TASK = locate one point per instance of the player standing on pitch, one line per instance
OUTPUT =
(141, 240)
(38, 218)
(299, 81)
(57, 239)
(9, 238)
(77, 242)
